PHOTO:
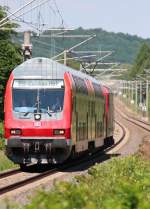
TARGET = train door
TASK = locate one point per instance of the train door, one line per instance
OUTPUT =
(93, 120)
(111, 115)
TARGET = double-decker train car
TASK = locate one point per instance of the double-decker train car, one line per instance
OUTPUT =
(53, 112)
(109, 115)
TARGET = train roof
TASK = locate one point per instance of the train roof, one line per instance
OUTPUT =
(44, 68)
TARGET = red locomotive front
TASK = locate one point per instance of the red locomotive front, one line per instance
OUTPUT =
(37, 118)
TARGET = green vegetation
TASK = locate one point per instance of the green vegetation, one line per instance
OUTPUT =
(121, 183)
(142, 61)
(1, 137)
(5, 163)
(10, 55)
(125, 46)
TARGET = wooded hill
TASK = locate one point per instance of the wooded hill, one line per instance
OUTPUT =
(125, 46)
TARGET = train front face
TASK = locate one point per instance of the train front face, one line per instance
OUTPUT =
(37, 120)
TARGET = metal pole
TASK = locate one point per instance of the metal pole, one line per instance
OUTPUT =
(65, 57)
(147, 96)
(27, 46)
(123, 89)
(136, 95)
(126, 88)
(140, 94)
(132, 93)
(128, 91)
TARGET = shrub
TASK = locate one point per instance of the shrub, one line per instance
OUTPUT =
(119, 184)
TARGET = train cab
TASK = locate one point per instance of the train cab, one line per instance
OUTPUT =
(37, 113)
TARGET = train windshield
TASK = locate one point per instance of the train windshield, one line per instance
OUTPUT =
(38, 96)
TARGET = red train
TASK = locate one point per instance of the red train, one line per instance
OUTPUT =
(53, 112)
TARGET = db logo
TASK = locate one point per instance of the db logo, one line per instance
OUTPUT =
(37, 124)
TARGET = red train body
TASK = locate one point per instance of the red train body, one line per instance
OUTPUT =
(53, 112)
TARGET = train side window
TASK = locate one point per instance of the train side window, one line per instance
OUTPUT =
(89, 109)
(93, 109)
(80, 85)
(74, 104)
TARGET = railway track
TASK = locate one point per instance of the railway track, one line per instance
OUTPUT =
(140, 123)
(121, 138)
(9, 173)
(63, 168)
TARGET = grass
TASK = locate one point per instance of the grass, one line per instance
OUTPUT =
(121, 183)
(1, 137)
(5, 163)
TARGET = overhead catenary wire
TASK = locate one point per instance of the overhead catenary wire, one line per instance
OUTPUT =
(18, 19)
(77, 58)
(25, 12)
(100, 59)
(45, 44)
(18, 10)
(77, 45)
(58, 11)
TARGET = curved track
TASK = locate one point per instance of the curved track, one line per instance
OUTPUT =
(142, 124)
(121, 138)
(74, 163)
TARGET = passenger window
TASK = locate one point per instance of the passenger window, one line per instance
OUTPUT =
(74, 104)
(93, 109)
(89, 108)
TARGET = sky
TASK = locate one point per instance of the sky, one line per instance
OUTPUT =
(127, 16)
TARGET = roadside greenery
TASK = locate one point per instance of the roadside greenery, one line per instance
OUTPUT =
(122, 183)
(1, 137)
(141, 63)
(5, 163)
(10, 55)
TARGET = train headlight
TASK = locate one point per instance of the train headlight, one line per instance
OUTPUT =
(37, 116)
(15, 131)
(59, 132)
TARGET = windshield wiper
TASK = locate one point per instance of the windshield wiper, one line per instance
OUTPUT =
(49, 113)
(26, 114)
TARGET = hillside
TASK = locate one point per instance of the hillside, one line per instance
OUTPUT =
(125, 46)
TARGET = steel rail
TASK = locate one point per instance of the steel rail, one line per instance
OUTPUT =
(121, 138)
(135, 121)
(62, 168)
(9, 173)
(22, 183)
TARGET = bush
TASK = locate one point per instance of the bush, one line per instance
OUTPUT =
(1, 137)
(118, 184)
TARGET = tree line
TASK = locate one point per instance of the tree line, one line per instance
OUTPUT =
(142, 62)
(10, 54)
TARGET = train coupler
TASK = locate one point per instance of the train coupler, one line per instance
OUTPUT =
(37, 147)
(26, 147)
(48, 147)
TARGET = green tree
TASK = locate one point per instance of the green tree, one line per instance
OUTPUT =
(10, 55)
(142, 61)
